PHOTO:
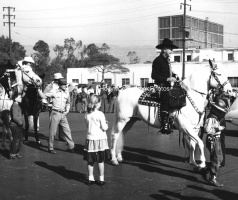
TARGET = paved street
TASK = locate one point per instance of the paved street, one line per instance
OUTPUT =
(153, 169)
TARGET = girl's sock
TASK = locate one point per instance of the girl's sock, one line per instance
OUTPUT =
(101, 178)
(91, 178)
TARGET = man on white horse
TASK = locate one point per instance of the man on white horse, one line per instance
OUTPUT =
(163, 76)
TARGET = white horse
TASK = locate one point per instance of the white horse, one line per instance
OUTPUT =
(188, 119)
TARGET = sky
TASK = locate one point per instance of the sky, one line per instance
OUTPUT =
(114, 22)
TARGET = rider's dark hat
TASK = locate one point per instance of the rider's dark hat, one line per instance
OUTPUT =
(62, 81)
(167, 43)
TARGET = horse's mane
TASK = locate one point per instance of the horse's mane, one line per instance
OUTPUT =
(198, 80)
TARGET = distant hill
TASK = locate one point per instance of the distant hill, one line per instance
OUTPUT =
(145, 53)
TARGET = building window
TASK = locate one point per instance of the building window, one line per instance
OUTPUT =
(189, 58)
(108, 81)
(233, 81)
(125, 81)
(75, 80)
(230, 56)
(143, 82)
(90, 81)
(176, 58)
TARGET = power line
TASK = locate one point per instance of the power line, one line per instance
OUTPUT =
(102, 24)
(143, 8)
(216, 12)
(90, 5)
(9, 24)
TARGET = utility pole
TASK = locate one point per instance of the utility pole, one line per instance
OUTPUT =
(184, 33)
(9, 24)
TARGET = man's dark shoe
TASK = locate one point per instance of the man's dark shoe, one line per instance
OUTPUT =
(214, 182)
(70, 150)
(52, 151)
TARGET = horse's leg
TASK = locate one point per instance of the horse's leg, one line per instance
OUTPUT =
(120, 142)
(188, 129)
(35, 118)
(192, 152)
(26, 127)
(116, 131)
(4, 135)
(186, 143)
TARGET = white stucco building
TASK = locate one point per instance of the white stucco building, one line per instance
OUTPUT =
(140, 74)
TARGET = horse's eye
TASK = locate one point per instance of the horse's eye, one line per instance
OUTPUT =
(27, 72)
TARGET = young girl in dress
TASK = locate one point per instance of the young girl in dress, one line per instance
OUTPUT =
(96, 146)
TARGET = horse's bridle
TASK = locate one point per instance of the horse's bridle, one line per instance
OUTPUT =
(220, 86)
(31, 78)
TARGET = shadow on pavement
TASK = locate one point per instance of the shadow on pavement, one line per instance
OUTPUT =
(5, 153)
(69, 174)
(231, 151)
(232, 133)
(220, 193)
(145, 163)
(168, 194)
(154, 154)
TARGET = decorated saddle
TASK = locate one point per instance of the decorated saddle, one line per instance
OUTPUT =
(177, 97)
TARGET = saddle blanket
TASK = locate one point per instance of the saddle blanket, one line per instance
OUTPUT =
(149, 99)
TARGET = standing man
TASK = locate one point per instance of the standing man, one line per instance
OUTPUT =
(60, 108)
(55, 86)
(113, 97)
(163, 76)
(103, 95)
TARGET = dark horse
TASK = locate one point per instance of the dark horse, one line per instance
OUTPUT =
(31, 102)
(31, 105)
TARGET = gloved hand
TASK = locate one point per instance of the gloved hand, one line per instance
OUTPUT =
(221, 128)
(171, 79)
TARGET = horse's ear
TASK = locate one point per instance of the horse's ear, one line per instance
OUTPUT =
(211, 64)
(42, 76)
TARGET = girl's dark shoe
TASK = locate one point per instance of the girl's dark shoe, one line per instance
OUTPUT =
(101, 183)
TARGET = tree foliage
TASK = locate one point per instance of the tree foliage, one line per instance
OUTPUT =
(41, 56)
(105, 63)
(133, 58)
(17, 51)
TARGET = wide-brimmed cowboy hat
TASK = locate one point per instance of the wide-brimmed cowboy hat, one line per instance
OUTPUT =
(220, 104)
(58, 76)
(167, 43)
(29, 60)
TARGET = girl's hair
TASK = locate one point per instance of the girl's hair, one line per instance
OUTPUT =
(94, 100)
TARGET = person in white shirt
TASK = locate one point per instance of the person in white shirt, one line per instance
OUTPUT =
(96, 146)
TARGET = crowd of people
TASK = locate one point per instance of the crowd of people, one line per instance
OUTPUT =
(80, 96)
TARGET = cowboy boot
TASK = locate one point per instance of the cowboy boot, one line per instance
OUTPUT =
(165, 127)
(213, 182)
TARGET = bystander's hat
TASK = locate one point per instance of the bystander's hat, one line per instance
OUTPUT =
(58, 76)
(29, 60)
(62, 81)
(167, 43)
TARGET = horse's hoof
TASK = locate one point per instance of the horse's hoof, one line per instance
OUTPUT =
(120, 160)
(115, 162)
